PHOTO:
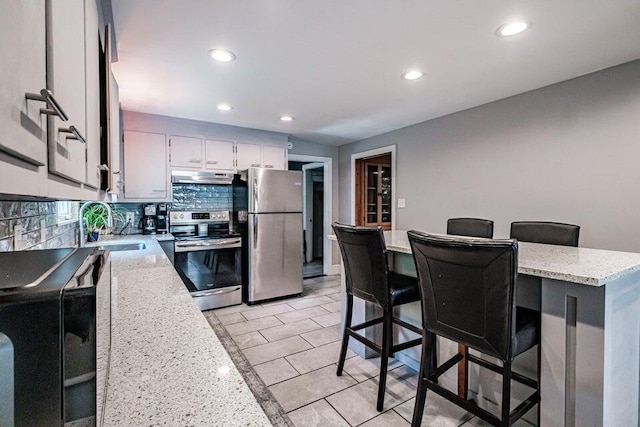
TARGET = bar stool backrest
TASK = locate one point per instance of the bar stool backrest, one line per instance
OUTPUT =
(550, 233)
(474, 227)
(467, 290)
(364, 256)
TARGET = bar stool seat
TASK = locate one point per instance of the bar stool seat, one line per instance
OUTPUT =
(402, 289)
(527, 331)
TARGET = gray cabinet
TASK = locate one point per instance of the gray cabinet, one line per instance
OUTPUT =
(22, 31)
(115, 183)
(186, 152)
(219, 155)
(145, 166)
(66, 78)
(248, 156)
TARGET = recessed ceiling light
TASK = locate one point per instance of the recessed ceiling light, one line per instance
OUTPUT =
(222, 55)
(412, 75)
(225, 107)
(286, 118)
(511, 29)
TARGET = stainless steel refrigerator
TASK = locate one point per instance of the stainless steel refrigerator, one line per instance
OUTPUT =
(272, 227)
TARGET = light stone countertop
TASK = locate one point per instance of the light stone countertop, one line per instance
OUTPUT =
(167, 365)
(594, 267)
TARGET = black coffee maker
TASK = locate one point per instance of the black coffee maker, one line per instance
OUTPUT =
(149, 219)
(161, 219)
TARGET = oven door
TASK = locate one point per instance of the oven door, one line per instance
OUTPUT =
(211, 270)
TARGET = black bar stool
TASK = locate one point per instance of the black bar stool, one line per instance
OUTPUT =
(368, 277)
(471, 227)
(550, 233)
(468, 291)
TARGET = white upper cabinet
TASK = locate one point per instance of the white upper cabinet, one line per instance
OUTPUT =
(92, 67)
(23, 55)
(248, 156)
(219, 155)
(145, 166)
(66, 78)
(274, 157)
(186, 152)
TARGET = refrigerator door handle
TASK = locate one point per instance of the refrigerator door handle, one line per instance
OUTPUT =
(255, 195)
(255, 231)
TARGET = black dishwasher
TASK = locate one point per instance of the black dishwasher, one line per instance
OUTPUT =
(48, 313)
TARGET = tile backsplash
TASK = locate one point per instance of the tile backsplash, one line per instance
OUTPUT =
(38, 224)
(202, 196)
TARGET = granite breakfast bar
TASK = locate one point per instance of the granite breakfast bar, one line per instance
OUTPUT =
(167, 366)
(590, 338)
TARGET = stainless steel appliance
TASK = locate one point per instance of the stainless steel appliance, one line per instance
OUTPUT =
(208, 257)
(268, 213)
(48, 303)
(149, 219)
(199, 177)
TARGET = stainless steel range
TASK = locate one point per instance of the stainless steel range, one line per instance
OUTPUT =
(208, 257)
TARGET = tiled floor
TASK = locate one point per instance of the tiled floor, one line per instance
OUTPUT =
(293, 345)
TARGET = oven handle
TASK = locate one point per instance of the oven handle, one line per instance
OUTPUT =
(217, 292)
(189, 247)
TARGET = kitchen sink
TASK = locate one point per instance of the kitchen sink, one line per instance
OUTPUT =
(119, 247)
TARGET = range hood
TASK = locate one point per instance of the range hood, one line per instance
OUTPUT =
(199, 177)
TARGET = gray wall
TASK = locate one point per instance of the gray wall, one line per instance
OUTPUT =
(568, 152)
(198, 129)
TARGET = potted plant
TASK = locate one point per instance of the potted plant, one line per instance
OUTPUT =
(96, 219)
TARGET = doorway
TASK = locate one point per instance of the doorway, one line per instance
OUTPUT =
(373, 187)
(314, 210)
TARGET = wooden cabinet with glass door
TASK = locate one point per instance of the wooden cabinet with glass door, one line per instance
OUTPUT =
(375, 195)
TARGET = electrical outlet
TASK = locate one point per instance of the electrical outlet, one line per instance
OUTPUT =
(129, 218)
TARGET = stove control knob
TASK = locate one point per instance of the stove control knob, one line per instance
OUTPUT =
(181, 216)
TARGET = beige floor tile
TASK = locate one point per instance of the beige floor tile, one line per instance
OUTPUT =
(333, 306)
(388, 419)
(275, 371)
(318, 414)
(407, 374)
(358, 404)
(323, 336)
(316, 358)
(330, 278)
(336, 297)
(307, 388)
(329, 319)
(252, 325)
(438, 412)
(478, 422)
(289, 329)
(267, 311)
(305, 313)
(274, 350)
(309, 302)
(234, 309)
(363, 369)
(250, 339)
(227, 319)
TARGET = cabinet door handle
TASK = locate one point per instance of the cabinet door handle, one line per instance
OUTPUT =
(194, 161)
(55, 109)
(268, 166)
(157, 191)
(116, 172)
(75, 132)
(212, 162)
(255, 165)
(103, 167)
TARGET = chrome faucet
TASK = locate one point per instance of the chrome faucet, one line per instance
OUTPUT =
(81, 220)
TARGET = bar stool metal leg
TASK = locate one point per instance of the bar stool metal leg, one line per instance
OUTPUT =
(387, 343)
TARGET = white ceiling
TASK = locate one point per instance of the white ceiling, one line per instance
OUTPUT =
(335, 65)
